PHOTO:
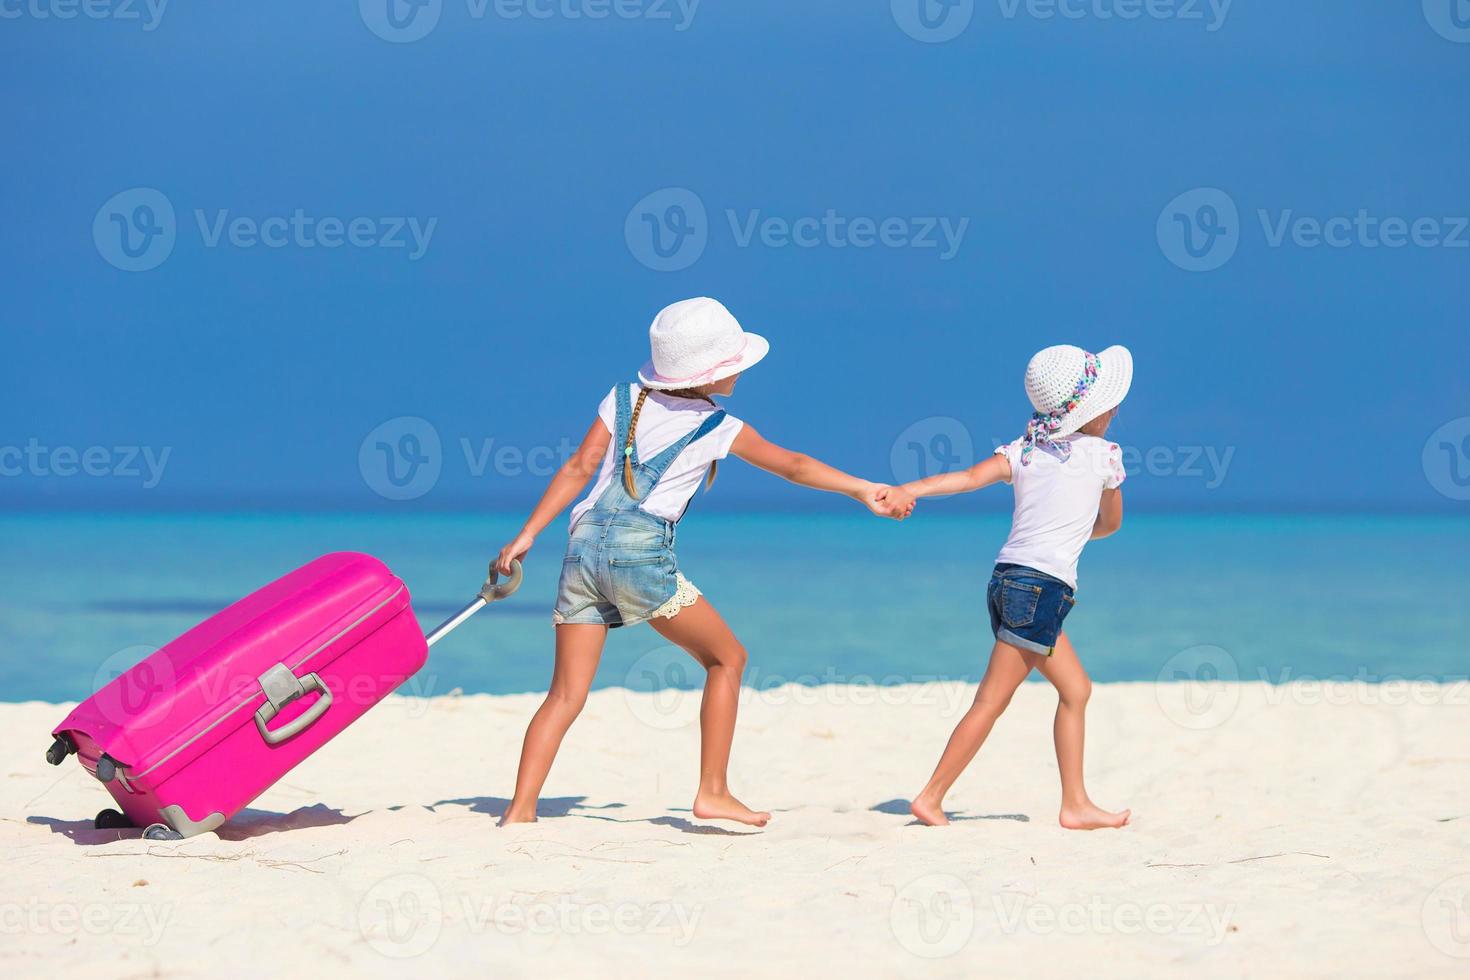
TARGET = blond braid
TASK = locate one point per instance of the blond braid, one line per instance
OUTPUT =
(628, 447)
(633, 425)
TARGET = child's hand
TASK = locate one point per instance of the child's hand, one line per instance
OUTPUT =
(899, 500)
(516, 549)
(876, 500)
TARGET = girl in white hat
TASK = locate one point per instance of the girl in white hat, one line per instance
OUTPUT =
(1067, 480)
(666, 435)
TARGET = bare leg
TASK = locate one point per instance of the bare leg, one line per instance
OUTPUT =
(1074, 687)
(578, 650)
(1008, 668)
(706, 637)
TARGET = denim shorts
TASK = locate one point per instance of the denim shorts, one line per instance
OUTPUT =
(618, 570)
(1027, 607)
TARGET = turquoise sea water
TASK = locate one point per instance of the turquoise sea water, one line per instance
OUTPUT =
(815, 598)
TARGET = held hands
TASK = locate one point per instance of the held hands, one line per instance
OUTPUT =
(887, 501)
(516, 549)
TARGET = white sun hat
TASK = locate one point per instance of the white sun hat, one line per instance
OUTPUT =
(1070, 387)
(697, 342)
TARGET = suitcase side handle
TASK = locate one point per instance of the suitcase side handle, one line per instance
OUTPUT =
(281, 687)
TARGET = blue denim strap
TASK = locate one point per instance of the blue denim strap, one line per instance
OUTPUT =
(665, 459)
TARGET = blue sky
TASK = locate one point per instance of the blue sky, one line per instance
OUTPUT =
(456, 226)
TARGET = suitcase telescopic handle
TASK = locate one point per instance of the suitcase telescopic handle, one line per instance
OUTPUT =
(492, 590)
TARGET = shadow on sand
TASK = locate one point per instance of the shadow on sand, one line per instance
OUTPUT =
(246, 824)
(549, 806)
(250, 823)
(900, 808)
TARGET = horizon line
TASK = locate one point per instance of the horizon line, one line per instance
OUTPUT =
(1237, 509)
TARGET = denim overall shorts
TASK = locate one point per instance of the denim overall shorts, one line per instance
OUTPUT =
(620, 565)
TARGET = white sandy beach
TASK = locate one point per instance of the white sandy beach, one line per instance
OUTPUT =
(1277, 831)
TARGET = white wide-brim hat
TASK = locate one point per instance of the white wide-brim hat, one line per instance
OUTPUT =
(1054, 374)
(698, 342)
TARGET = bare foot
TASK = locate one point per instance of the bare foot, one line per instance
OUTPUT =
(929, 811)
(1090, 816)
(513, 816)
(711, 806)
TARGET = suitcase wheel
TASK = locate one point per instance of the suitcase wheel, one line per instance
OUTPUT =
(159, 831)
(60, 749)
(111, 820)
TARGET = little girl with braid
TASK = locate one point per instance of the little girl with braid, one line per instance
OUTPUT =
(666, 436)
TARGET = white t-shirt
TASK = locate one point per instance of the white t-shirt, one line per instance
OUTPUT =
(1056, 503)
(664, 421)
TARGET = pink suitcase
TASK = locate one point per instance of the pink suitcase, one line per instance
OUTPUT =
(188, 737)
